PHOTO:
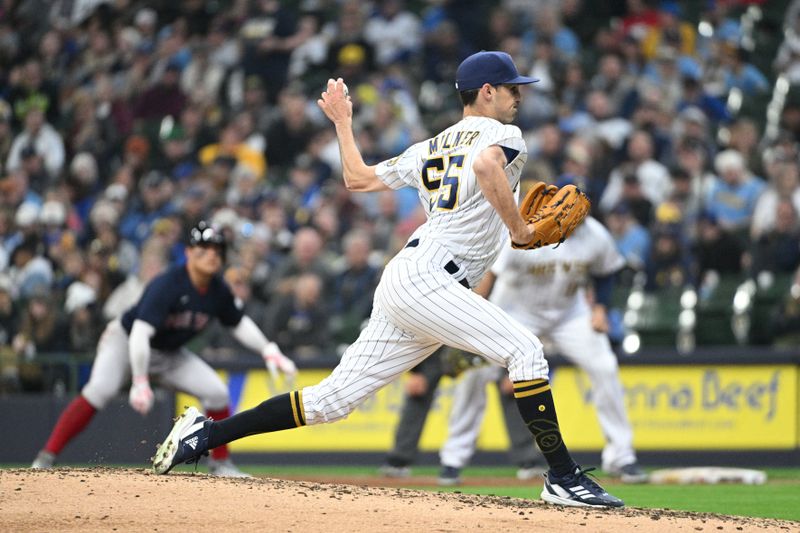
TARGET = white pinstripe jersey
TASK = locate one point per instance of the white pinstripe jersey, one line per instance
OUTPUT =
(549, 283)
(460, 219)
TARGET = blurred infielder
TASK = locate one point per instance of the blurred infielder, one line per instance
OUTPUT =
(545, 289)
(420, 393)
(467, 175)
(149, 340)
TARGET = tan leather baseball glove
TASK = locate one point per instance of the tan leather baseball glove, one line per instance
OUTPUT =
(554, 212)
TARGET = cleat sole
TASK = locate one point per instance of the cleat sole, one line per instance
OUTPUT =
(163, 460)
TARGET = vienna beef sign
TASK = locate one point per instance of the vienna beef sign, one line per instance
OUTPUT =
(691, 407)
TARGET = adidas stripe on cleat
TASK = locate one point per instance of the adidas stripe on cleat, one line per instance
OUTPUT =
(577, 490)
(186, 443)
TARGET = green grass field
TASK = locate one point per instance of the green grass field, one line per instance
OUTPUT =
(778, 498)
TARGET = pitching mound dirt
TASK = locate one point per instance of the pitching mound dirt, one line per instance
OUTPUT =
(135, 500)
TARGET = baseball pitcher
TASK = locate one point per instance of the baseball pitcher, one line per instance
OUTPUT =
(467, 175)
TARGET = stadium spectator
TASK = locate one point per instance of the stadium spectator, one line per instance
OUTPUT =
(740, 74)
(84, 320)
(232, 146)
(669, 264)
(640, 166)
(744, 139)
(632, 239)
(154, 203)
(42, 329)
(28, 89)
(577, 170)
(394, 31)
(269, 34)
(6, 136)
(444, 49)
(244, 192)
(639, 19)
(786, 317)
(352, 288)
(778, 249)
(670, 30)
(348, 48)
(9, 368)
(298, 321)
(29, 271)
(83, 184)
(305, 258)
(733, 193)
(548, 24)
(302, 195)
(289, 134)
(612, 81)
(38, 137)
(716, 250)
(164, 98)
(784, 185)
(383, 223)
(94, 98)
(693, 94)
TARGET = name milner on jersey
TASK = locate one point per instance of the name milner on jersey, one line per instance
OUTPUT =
(451, 139)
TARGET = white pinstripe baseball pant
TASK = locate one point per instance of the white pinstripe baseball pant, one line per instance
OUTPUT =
(418, 307)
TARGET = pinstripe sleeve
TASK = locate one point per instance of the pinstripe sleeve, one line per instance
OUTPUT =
(403, 170)
(509, 138)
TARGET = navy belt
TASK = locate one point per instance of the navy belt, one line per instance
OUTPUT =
(450, 267)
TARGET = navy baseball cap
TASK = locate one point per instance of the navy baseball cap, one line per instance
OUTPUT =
(494, 68)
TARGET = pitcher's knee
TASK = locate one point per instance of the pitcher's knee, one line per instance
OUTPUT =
(526, 360)
(322, 405)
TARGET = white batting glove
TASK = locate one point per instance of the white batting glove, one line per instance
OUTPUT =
(275, 360)
(141, 395)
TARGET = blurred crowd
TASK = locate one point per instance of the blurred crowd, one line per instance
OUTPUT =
(124, 122)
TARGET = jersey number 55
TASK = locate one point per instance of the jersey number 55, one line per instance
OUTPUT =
(440, 176)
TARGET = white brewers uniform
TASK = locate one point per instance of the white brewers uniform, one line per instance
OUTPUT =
(419, 305)
(545, 290)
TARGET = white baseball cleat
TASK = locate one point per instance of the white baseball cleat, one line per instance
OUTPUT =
(186, 443)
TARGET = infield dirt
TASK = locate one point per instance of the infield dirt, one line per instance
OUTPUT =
(103, 499)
